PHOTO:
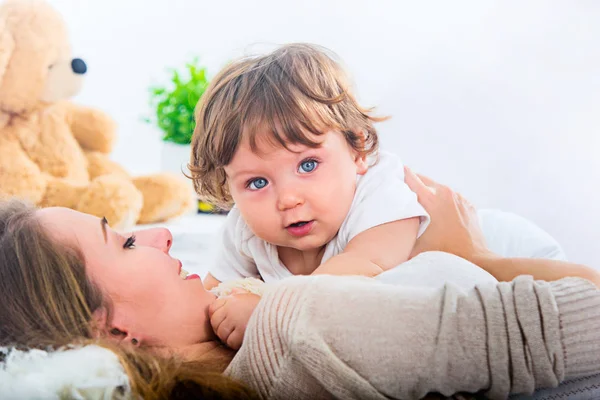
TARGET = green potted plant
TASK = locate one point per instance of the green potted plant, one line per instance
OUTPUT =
(174, 104)
(173, 108)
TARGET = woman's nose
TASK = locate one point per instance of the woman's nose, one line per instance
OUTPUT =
(160, 238)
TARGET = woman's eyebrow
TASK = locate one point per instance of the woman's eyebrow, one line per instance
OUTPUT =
(103, 224)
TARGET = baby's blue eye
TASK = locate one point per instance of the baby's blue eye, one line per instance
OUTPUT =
(257, 184)
(307, 166)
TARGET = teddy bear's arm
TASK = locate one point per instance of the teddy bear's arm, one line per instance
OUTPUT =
(100, 164)
(19, 175)
(92, 128)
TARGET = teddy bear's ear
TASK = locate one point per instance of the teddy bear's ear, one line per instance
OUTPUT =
(7, 45)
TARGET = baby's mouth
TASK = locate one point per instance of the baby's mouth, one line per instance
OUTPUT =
(298, 224)
(300, 228)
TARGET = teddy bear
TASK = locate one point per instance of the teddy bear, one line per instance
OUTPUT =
(54, 152)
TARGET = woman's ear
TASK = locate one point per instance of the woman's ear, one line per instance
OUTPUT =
(123, 336)
(114, 330)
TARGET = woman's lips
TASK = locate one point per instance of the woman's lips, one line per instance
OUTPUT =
(192, 276)
(301, 230)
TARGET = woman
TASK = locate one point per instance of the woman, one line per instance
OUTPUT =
(69, 276)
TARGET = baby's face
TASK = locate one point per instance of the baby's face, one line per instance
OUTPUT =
(296, 198)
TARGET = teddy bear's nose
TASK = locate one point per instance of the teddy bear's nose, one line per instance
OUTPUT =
(78, 66)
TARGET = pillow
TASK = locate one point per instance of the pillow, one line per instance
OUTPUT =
(88, 372)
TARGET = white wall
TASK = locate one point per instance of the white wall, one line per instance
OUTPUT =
(499, 99)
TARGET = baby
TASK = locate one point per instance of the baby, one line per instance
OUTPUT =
(283, 138)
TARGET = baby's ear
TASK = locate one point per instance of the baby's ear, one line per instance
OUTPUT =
(7, 45)
(360, 157)
(362, 166)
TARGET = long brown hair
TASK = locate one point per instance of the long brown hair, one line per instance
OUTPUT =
(48, 301)
(295, 90)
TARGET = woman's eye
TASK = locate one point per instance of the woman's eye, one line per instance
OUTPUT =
(307, 166)
(257, 184)
(129, 243)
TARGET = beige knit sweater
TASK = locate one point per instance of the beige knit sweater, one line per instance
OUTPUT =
(327, 337)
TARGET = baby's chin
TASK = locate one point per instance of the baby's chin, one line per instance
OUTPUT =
(305, 245)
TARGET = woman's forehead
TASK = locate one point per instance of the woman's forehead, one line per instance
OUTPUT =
(70, 226)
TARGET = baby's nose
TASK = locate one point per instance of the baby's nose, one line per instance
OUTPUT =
(288, 201)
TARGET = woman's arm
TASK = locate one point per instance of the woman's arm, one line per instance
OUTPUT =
(455, 229)
(402, 342)
(507, 269)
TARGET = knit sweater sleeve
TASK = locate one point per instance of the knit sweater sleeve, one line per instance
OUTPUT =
(355, 338)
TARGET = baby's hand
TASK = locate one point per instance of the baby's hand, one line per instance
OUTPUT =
(229, 316)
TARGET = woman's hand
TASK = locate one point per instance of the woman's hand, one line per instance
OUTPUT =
(455, 229)
(454, 226)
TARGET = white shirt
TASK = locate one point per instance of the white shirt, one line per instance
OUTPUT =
(381, 196)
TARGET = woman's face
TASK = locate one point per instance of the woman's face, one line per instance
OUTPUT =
(150, 301)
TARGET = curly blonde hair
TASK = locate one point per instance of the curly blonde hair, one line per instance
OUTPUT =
(296, 90)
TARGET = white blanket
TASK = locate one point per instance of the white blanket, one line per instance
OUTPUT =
(434, 269)
(506, 234)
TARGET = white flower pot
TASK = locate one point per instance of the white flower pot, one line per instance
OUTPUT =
(175, 157)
